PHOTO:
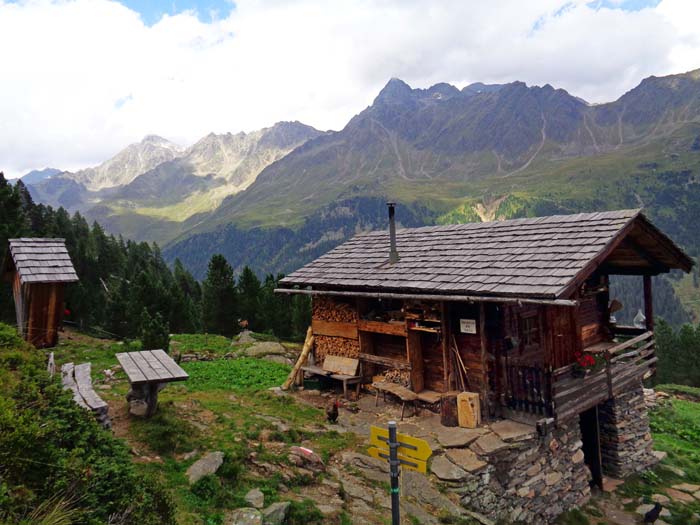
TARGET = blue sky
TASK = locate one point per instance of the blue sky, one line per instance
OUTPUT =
(152, 10)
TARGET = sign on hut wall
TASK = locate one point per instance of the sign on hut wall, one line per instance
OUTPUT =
(467, 326)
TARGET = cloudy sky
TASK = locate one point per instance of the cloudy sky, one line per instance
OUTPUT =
(80, 79)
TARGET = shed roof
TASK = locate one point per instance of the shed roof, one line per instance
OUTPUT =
(40, 260)
(540, 257)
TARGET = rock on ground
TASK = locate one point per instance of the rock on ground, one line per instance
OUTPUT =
(265, 348)
(209, 464)
(255, 498)
(276, 513)
(244, 516)
(244, 337)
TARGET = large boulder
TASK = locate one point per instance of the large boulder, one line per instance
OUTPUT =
(255, 498)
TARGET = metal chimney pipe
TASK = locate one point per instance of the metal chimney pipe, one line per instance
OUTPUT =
(393, 252)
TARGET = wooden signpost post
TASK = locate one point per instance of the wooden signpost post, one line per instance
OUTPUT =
(399, 450)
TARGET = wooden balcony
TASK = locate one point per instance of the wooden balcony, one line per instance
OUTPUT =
(560, 394)
(625, 363)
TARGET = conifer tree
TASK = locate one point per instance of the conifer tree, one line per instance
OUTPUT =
(219, 298)
(249, 299)
(155, 333)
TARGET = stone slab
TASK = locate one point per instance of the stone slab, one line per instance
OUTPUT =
(453, 437)
(445, 470)
(488, 444)
(466, 459)
(677, 495)
(509, 430)
(687, 487)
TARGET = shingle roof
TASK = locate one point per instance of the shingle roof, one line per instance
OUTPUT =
(535, 257)
(39, 260)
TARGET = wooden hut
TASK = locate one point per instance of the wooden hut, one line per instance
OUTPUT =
(38, 270)
(513, 301)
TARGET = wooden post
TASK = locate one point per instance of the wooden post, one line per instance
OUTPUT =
(445, 346)
(648, 303)
(308, 344)
(484, 362)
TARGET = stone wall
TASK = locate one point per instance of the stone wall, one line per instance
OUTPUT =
(531, 479)
(625, 438)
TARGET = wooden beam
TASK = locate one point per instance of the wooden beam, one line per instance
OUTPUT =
(378, 327)
(385, 361)
(429, 297)
(334, 329)
(648, 303)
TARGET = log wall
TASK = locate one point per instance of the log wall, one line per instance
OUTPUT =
(334, 323)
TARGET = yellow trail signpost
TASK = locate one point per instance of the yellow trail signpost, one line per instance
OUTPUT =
(399, 450)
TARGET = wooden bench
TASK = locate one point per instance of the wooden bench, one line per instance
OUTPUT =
(403, 393)
(78, 379)
(342, 369)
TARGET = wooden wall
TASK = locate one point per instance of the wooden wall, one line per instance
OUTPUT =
(44, 303)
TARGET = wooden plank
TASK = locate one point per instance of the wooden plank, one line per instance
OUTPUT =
(630, 342)
(176, 372)
(146, 369)
(155, 364)
(83, 377)
(377, 327)
(385, 361)
(334, 329)
(414, 355)
(341, 365)
(133, 372)
(401, 392)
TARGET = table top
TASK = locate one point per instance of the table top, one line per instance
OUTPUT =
(150, 366)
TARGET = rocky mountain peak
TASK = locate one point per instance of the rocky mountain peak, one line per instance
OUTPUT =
(395, 91)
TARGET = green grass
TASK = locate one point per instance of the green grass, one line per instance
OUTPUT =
(691, 392)
(202, 343)
(237, 375)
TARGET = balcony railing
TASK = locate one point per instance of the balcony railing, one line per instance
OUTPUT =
(625, 363)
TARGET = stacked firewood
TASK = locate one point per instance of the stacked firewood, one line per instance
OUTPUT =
(400, 377)
(328, 309)
(324, 345)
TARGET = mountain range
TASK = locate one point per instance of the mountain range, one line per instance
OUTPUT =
(278, 197)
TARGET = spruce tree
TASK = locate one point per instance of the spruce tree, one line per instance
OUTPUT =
(155, 333)
(249, 299)
(219, 298)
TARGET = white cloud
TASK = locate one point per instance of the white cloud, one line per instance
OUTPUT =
(80, 79)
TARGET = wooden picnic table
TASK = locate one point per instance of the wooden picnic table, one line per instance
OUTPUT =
(148, 372)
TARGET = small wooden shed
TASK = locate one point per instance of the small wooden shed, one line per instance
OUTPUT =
(38, 269)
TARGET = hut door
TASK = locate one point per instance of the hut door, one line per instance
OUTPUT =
(590, 435)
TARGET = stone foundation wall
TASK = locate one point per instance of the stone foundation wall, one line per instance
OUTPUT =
(528, 481)
(625, 438)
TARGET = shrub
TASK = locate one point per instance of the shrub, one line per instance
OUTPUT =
(206, 487)
(304, 513)
(52, 452)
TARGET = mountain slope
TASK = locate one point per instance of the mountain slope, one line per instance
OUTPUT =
(35, 176)
(436, 144)
(196, 182)
(129, 163)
